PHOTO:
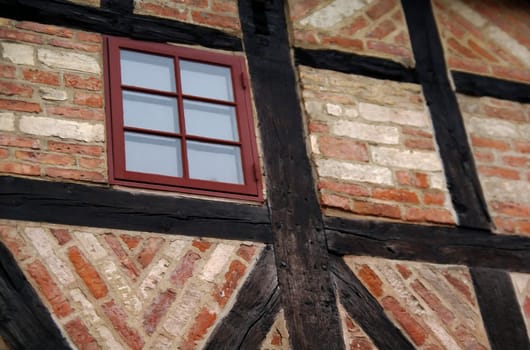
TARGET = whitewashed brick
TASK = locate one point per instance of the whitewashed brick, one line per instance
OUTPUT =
(18, 53)
(87, 308)
(468, 13)
(366, 132)
(520, 281)
(524, 132)
(507, 190)
(108, 339)
(334, 12)
(175, 248)
(354, 172)
(437, 181)
(52, 94)
(333, 109)
(218, 260)
(314, 144)
(411, 159)
(379, 113)
(498, 36)
(154, 277)
(183, 311)
(90, 244)
(492, 127)
(7, 121)
(121, 287)
(68, 60)
(351, 113)
(66, 129)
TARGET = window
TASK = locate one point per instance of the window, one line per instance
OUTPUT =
(181, 120)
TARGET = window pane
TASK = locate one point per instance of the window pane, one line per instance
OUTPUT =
(152, 154)
(148, 71)
(206, 80)
(214, 162)
(210, 120)
(150, 111)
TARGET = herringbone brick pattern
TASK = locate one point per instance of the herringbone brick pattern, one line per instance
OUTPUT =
(486, 37)
(435, 306)
(127, 290)
(370, 27)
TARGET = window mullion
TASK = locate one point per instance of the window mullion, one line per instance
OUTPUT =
(182, 124)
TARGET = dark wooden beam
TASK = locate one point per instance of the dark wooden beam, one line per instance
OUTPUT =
(112, 20)
(478, 85)
(462, 179)
(351, 63)
(251, 318)
(365, 310)
(302, 260)
(500, 309)
(75, 204)
(436, 244)
(123, 6)
(24, 321)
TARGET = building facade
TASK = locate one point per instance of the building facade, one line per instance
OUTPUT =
(264, 174)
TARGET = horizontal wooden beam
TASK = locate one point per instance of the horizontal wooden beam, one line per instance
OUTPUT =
(113, 21)
(478, 85)
(351, 63)
(435, 244)
(76, 204)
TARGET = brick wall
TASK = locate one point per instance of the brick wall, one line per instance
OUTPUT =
(278, 337)
(486, 37)
(51, 102)
(116, 289)
(368, 27)
(499, 133)
(219, 14)
(434, 305)
(372, 144)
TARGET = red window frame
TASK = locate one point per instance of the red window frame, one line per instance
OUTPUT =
(118, 174)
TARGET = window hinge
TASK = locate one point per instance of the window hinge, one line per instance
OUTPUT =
(256, 171)
(243, 81)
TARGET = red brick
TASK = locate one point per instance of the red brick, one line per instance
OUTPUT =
(130, 241)
(416, 132)
(45, 158)
(13, 89)
(20, 106)
(523, 227)
(19, 168)
(434, 198)
(343, 42)
(376, 209)
(333, 201)
(371, 280)
(246, 252)
(88, 273)
(481, 51)
(7, 71)
(484, 156)
(300, 8)
(91, 163)
(467, 338)
(41, 77)
(496, 171)
(74, 148)
(73, 174)
(18, 141)
(440, 216)
(523, 147)
(4, 153)
(446, 315)
(125, 262)
(17, 35)
(424, 144)
(464, 64)
(357, 24)
(511, 209)
(151, 246)
(319, 127)
(204, 320)
(415, 330)
(62, 235)
(157, 310)
(185, 269)
(380, 8)
(218, 21)
(403, 271)
(459, 48)
(12, 240)
(456, 282)
(421, 180)
(402, 39)
(305, 36)
(75, 112)
(118, 318)
(344, 188)
(389, 49)
(201, 245)
(49, 289)
(382, 30)
(403, 177)
(229, 7)
(232, 277)
(526, 307)
(504, 113)
(489, 143)
(78, 333)
(68, 44)
(396, 195)
(79, 82)
(45, 29)
(88, 37)
(89, 100)
(343, 148)
(163, 11)
(504, 225)
(518, 162)
(512, 73)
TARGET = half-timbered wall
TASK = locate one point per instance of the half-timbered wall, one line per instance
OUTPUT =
(394, 149)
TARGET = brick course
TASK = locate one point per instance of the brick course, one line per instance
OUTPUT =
(105, 293)
(51, 102)
(373, 146)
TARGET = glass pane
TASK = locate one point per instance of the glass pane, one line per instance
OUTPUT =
(150, 111)
(210, 120)
(206, 80)
(152, 154)
(148, 71)
(214, 162)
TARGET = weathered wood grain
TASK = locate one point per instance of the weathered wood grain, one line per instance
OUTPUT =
(477, 85)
